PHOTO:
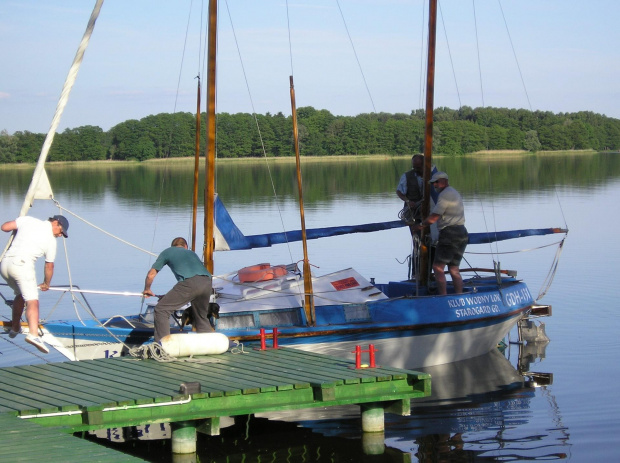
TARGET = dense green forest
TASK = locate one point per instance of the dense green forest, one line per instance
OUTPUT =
(456, 132)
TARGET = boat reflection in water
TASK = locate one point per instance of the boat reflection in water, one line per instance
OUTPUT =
(479, 409)
(482, 409)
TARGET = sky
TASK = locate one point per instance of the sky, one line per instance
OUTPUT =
(346, 56)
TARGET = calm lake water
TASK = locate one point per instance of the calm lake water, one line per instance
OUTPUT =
(480, 410)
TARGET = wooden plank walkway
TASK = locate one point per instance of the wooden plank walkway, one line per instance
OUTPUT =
(27, 442)
(120, 392)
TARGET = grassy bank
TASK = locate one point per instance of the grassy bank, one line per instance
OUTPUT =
(497, 154)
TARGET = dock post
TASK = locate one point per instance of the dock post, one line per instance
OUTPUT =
(183, 437)
(372, 417)
(210, 426)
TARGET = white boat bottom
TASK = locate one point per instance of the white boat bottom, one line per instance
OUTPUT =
(421, 350)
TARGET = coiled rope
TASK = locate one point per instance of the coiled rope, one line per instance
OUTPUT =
(152, 351)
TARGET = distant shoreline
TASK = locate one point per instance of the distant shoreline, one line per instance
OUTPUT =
(497, 154)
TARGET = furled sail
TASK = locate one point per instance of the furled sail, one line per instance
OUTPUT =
(491, 237)
(228, 237)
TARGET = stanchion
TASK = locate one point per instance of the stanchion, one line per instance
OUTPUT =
(275, 338)
(263, 339)
(371, 356)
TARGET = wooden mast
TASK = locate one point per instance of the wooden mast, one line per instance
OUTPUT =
(196, 162)
(308, 294)
(428, 134)
(210, 150)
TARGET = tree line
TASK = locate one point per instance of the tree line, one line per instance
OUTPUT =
(455, 132)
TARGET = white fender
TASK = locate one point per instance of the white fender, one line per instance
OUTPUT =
(186, 344)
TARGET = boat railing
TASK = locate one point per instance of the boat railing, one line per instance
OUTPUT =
(115, 317)
(511, 273)
(73, 289)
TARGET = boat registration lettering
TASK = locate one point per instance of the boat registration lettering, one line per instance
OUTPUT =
(471, 306)
(477, 310)
(346, 283)
(519, 296)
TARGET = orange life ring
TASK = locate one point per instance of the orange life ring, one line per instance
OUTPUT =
(260, 272)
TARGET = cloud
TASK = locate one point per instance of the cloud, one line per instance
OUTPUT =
(4, 96)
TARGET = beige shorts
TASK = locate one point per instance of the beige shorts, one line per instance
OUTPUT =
(21, 277)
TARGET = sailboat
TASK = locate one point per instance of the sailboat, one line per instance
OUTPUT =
(399, 323)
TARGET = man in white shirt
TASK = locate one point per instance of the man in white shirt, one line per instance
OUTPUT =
(33, 238)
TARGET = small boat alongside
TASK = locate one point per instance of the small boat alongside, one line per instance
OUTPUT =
(405, 328)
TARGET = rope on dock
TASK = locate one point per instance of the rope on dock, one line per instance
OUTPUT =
(151, 351)
(237, 348)
(156, 352)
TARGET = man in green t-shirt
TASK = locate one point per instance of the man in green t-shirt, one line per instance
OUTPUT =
(194, 285)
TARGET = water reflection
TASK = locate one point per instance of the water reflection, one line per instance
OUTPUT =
(169, 184)
(252, 439)
(480, 410)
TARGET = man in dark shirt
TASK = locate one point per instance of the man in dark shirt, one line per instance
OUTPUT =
(194, 285)
(410, 189)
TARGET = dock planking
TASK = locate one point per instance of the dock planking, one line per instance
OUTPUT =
(124, 391)
(26, 441)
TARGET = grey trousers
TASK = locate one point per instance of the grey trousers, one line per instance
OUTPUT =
(196, 290)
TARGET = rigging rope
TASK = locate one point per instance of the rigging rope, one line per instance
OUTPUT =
(514, 53)
(552, 271)
(445, 31)
(478, 51)
(496, 264)
(71, 289)
(254, 116)
(356, 57)
(290, 41)
(422, 61)
(69, 273)
(256, 122)
(514, 252)
(89, 311)
(170, 133)
(102, 230)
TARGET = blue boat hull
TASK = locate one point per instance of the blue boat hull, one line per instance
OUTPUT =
(406, 330)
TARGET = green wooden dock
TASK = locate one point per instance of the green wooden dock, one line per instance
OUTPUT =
(120, 392)
(26, 441)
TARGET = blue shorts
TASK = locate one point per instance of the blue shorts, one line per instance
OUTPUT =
(451, 245)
